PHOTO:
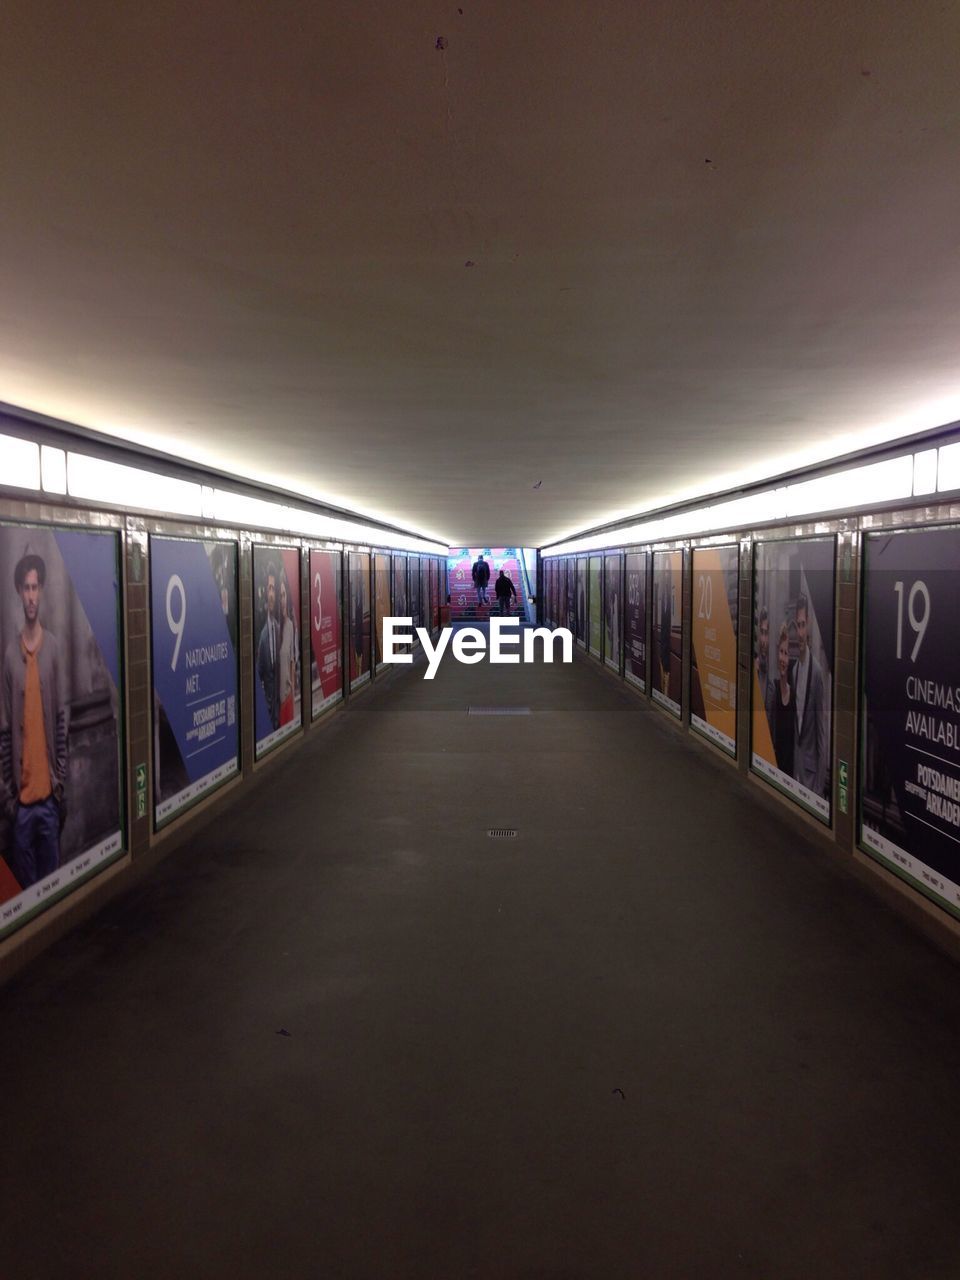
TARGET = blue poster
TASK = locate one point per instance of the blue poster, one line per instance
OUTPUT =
(61, 817)
(193, 594)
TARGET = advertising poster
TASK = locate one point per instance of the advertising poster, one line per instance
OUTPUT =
(713, 634)
(910, 720)
(460, 577)
(381, 603)
(60, 714)
(582, 622)
(276, 645)
(326, 610)
(400, 609)
(666, 671)
(359, 578)
(413, 590)
(570, 618)
(595, 604)
(194, 619)
(434, 596)
(635, 618)
(612, 568)
(793, 647)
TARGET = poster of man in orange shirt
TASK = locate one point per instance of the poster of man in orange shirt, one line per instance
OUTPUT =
(35, 763)
(59, 713)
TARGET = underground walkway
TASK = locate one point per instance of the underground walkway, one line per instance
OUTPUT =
(345, 1033)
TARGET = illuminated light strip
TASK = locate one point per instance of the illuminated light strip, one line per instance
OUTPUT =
(225, 506)
(948, 471)
(20, 465)
(53, 469)
(925, 472)
(24, 465)
(892, 480)
(857, 486)
(117, 485)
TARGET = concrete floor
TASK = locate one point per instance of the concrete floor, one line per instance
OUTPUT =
(659, 1034)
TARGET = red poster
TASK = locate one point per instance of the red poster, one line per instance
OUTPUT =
(326, 676)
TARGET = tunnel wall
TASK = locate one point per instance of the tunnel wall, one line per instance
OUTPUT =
(130, 598)
(878, 596)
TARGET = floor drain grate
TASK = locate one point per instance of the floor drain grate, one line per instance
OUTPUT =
(498, 711)
(502, 833)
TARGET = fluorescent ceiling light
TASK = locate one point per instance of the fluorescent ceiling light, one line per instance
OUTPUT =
(26, 465)
(925, 472)
(874, 482)
(855, 487)
(948, 473)
(756, 508)
(113, 484)
(225, 506)
(19, 463)
(53, 469)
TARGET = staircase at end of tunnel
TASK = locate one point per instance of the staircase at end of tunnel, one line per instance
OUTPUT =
(463, 594)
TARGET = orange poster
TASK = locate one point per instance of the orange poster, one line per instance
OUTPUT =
(381, 601)
(713, 669)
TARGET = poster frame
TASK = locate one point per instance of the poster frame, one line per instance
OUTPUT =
(599, 557)
(706, 731)
(160, 824)
(831, 536)
(640, 683)
(889, 863)
(621, 561)
(375, 619)
(581, 580)
(364, 677)
(413, 571)
(658, 696)
(25, 915)
(334, 699)
(434, 595)
(266, 746)
(570, 596)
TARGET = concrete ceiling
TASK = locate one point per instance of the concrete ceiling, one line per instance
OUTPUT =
(418, 258)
